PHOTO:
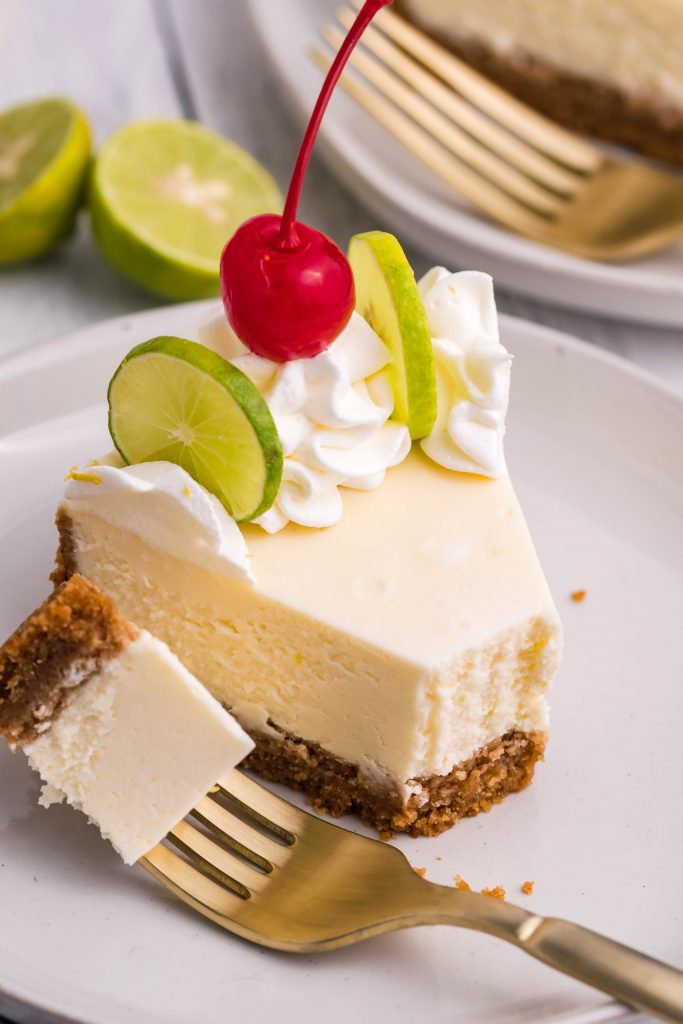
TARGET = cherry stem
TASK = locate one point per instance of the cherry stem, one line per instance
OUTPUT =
(288, 238)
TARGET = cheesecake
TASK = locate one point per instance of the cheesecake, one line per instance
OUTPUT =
(613, 69)
(384, 632)
(110, 718)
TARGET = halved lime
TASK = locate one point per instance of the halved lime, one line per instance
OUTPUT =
(165, 198)
(44, 158)
(388, 298)
(173, 400)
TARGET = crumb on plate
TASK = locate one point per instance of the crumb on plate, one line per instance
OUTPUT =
(578, 596)
(498, 892)
(528, 888)
(460, 883)
(420, 871)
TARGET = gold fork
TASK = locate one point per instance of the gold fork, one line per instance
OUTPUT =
(516, 166)
(283, 878)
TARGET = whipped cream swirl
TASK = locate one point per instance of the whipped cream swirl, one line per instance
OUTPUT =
(332, 413)
(165, 507)
(472, 373)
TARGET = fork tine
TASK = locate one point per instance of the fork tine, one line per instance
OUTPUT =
(257, 802)
(450, 136)
(546, 136)
(190, 885)
(204, 856)
(472, 186)
(262, 851)
(488, 132)
(223, 865)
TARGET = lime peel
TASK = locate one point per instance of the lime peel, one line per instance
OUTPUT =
(166, 195)
(174, 400)
(45, 150)
(387, 297)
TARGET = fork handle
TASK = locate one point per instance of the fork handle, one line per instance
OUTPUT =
(621, 972)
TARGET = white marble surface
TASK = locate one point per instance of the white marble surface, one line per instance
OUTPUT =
(196, 58)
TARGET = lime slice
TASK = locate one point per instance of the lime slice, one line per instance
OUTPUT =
(166, 196)
(173, 400)
(44, 157)
(387, 297)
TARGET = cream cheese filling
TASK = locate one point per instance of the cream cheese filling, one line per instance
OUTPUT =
(404, 680)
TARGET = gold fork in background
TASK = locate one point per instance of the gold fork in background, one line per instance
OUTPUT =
(282, 878)
(516, 166)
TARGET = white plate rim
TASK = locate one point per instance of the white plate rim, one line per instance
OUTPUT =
(611, 285)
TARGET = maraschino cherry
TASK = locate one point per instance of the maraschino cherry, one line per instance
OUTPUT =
(287, 288)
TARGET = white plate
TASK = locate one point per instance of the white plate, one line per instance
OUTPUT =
(403, 194)
(595, 448)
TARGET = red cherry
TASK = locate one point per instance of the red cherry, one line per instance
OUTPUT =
(287, 289)
(285, 303)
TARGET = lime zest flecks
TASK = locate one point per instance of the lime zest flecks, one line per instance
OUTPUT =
(84, 478)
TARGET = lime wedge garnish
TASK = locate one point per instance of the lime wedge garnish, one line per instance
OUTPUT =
(165, 198)
(173, 400)
(44, 157)
(388, 298)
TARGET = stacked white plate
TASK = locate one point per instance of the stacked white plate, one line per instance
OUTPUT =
(405, 196)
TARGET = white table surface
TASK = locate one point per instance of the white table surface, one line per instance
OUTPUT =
(122, 59)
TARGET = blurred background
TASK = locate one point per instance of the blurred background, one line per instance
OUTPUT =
(204, 61)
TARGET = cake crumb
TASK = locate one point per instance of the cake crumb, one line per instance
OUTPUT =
(528, 888)
(439, 858)
(578, 596)
(460, 883)
(498, 892)
(215, 789)
(420, 871)
(187, 492)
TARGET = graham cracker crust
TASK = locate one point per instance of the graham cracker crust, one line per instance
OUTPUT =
(505, 765)
(53, 653)
(65, 559)
(582, 103)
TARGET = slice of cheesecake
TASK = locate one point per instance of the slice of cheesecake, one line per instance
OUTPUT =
(395, 664)
(110, 719)
(611, 69)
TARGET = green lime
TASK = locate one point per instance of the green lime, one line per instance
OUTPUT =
(44, 158)
(173, 400)
(388, 298)
(165, 198)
